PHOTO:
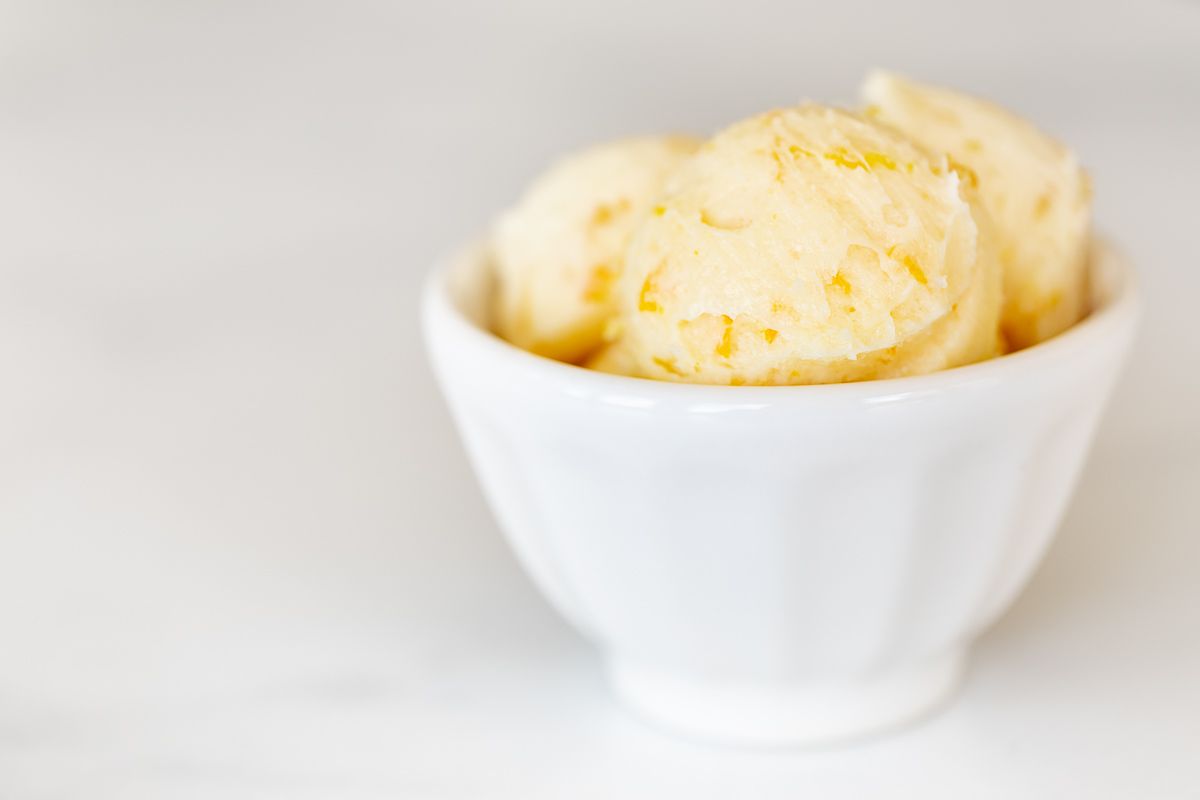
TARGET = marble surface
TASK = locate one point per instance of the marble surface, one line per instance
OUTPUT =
(241, 554)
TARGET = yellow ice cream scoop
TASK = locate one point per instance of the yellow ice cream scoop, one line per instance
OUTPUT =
(558, 254)
(807, 245)
(1032, 186)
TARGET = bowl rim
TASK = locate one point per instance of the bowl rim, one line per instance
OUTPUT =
(1112, 321)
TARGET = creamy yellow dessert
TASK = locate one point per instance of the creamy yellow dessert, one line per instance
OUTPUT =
(803, 245)
(559, 253)
(807, 245)
(1032, 186)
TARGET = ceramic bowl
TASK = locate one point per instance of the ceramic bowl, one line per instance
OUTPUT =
(778, 565)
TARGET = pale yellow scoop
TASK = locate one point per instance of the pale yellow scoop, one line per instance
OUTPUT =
(1032, 186)
(806, 245)
(558, 254)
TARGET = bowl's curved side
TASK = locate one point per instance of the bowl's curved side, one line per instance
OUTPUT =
(771, 536)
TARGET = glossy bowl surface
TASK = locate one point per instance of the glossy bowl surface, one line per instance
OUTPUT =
(778, 565)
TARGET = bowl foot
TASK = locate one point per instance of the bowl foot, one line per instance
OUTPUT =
(786, 714)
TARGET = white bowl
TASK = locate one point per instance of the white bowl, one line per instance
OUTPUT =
(778, 565)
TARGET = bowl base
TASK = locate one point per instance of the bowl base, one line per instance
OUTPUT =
(786, 714)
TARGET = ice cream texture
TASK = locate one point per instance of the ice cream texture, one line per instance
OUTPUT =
(808, 245)
(559, 253)
(1032, 186)
(803, 245)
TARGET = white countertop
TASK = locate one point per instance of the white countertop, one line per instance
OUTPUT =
(241, 553)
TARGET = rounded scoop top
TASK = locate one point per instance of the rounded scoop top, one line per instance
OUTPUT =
(559, 253)
(798, 245)
(1032, 187)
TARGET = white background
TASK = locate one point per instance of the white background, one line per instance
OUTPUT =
(241, 554)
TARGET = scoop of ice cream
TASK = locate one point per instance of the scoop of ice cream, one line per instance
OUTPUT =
(558, 254)
(614, 358)
(1032, 186)
(807, 245)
